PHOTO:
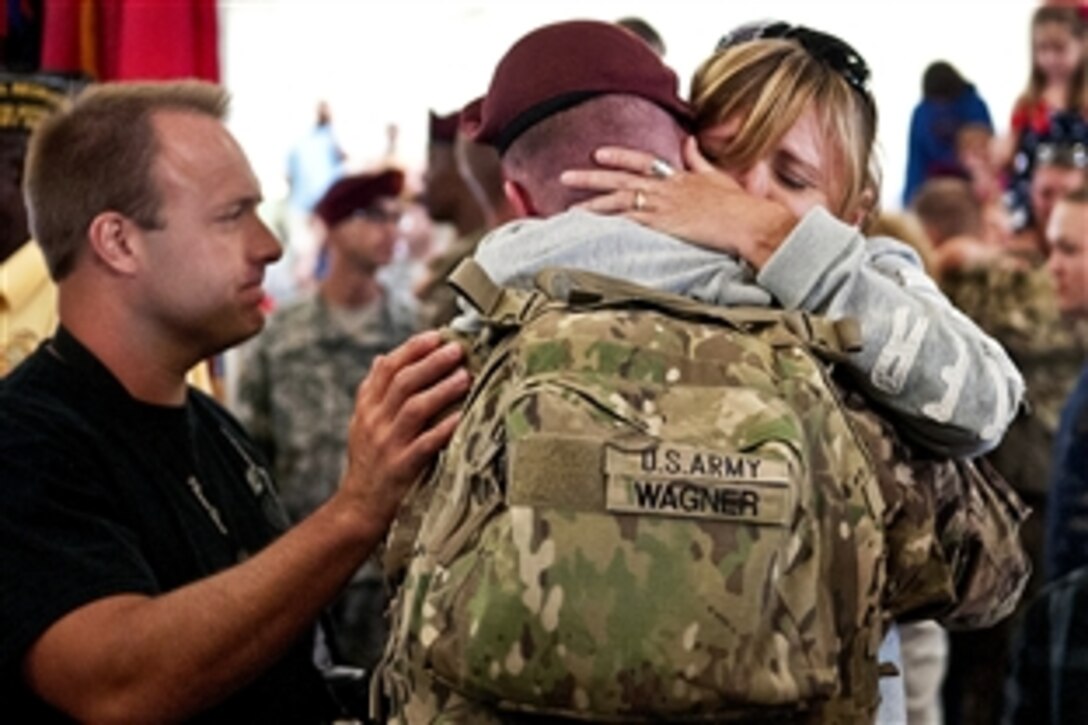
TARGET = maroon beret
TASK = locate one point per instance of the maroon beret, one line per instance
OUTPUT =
(359, 191)
(558, 66)
(443, 129)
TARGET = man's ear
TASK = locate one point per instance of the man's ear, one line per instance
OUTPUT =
(113, 243)
(519, 198)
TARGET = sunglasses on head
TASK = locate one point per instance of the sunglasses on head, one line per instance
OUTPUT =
(826, 48)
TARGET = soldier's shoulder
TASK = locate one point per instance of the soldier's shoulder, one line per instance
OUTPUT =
(292, 325)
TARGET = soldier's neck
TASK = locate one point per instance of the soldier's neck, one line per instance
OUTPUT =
(350, 287)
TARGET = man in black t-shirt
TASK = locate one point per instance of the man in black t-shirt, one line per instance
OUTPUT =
(147, 572)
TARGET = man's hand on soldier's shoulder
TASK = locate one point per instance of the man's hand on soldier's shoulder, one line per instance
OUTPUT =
(397, 428)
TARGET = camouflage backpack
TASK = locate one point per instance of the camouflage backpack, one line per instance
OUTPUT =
(652, 508)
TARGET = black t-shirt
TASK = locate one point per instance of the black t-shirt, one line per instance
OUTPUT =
(103, 495)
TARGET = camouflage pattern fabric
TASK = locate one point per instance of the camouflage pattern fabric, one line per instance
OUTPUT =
(644, 515)
(296, 395)
(296, 391)
(952, 528)
(1016, 305)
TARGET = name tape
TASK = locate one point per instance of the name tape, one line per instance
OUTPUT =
(698, 483)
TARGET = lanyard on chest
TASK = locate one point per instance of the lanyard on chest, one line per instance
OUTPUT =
(258, 483)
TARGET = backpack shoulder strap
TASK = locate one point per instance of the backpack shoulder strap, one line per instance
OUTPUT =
(579, 289)
(504, 306)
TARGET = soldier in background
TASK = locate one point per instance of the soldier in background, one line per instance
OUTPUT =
(1067, 540)
(478, 186)
(645, 31)
(1012, 299)
(447, 199)
(297, 383)
(1015, 302)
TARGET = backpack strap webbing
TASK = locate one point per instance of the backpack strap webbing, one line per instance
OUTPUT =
(579, 288)
(496, 304)
(585, 290)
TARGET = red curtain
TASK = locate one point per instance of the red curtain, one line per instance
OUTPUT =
(132, 39)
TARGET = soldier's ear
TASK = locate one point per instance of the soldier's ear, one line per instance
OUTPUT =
(111, 237)
(519, 198)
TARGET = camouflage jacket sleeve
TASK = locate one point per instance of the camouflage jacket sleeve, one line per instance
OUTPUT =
(952, 530)
(948, 386)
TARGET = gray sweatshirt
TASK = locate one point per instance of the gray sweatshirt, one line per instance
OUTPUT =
(946, 384)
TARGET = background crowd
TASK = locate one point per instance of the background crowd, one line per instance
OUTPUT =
(988, 198)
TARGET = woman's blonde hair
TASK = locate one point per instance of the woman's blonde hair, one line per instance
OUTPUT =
(772, 82)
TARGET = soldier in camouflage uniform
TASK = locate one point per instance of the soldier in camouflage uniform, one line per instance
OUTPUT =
(1017, 305)
(449, 201)
(618, 247)
(297, 386)
(480, 182)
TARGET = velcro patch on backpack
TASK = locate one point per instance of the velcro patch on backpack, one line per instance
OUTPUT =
(688, 481)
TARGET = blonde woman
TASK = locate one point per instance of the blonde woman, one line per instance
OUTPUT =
(781, 172)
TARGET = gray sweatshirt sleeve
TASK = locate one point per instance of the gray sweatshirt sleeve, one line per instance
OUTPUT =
(946, 384)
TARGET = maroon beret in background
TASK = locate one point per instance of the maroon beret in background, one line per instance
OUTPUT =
(355, 192)
(443, 129)
(558, 66)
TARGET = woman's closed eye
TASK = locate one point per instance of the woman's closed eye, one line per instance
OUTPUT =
(795, 175)
(793, 181)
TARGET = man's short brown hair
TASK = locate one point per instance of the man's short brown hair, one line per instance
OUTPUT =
(567, 140)
(96, 155)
